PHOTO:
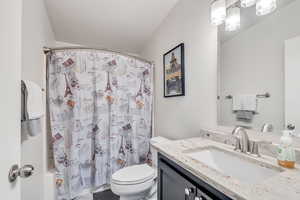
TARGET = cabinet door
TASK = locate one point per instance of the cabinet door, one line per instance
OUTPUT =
(176, 183)
(172, 186)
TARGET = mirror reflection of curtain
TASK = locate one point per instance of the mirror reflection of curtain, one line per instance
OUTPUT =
(100, 107)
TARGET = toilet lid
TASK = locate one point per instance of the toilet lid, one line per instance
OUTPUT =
(133, 174)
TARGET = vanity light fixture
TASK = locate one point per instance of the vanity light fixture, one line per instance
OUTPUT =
(218, 12)
(220, 9)
(247, 3)
(233, 19)
(264, 7)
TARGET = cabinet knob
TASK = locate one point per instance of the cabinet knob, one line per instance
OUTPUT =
(187, 191)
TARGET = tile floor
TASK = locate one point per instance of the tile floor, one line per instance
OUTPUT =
(106, 195)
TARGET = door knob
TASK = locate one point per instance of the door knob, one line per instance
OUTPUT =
(26, 171)
(23, 172)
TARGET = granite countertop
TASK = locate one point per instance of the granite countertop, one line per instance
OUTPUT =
(284, 185)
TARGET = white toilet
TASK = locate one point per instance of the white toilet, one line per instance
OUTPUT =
(134, 182)
(137, 182)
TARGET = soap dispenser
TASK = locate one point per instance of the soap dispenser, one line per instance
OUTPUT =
(286, 153)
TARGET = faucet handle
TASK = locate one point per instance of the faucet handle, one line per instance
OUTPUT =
(254, 148)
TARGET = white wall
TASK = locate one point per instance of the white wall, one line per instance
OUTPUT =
(10, 76)
(181, 117)
(65, 44)
(253, 62)
(36, 33)
(292, 82)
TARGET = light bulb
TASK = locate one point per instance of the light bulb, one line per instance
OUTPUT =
(233, 19)
(218, 12)
(264, 7)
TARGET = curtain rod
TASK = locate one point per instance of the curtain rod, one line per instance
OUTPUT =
(49, 49)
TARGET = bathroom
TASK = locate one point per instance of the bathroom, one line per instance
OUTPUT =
(215, 131)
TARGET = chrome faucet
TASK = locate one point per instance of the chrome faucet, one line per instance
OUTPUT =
(243, 143)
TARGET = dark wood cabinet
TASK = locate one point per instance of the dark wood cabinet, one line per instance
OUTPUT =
(176, 183)
(174, 186)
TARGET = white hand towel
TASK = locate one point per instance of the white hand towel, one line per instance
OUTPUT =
(35, 108)
(244, 103)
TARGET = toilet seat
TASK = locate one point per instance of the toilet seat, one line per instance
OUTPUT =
(133, 175)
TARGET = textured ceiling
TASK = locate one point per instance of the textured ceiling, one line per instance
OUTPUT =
(116, 24)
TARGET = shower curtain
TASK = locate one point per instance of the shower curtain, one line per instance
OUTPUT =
(100, 107)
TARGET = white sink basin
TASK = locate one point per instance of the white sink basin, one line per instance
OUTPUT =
(230, 164)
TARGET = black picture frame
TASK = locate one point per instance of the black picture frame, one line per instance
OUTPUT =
(174, 86)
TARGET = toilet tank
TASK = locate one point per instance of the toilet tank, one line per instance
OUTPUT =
(156, 140)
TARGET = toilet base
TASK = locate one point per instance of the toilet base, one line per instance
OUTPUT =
(138, 198)
(135, 197)
(147, 195)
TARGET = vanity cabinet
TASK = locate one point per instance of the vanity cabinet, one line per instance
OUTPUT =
(176, 183)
